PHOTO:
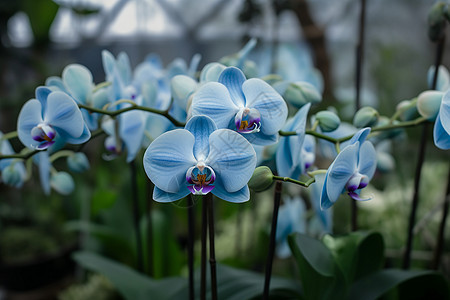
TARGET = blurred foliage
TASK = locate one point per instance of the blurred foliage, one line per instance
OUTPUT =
(97, 287)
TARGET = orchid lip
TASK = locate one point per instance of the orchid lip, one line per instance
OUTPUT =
(248, 120)
(200, 178)
(44, 134)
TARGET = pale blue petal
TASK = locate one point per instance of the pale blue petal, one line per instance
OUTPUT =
(154, 60)
(444, 112)
(239, 196)
(124, 68)
(443, 81)
(193, 66)
(168, 158)
(299, 126)
(79, 82)
(268, 102)
(201, 127)
(367, 159)
(91, 119)
(84, 137)
(360, 136)
(325, 201)
(341, 170)
(29, 117)
(233, 78)
(325, 217)
(131, 131)
(63, 113)
(211, 72)
(284, 158)
(42, 93)
(441, 137)
(108, 64)
(261, 139)
(213, 100)
(165, 197)
(55, 82)
(232, 157)
(44, 171)
(283, 250)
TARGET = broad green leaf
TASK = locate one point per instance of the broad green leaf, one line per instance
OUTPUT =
(235, 284)
(321, 277)
(131, 284)
(357, 253)
(414, 285)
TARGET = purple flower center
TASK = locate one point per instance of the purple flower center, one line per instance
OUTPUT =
(248, 120)
(200, 178)
(44, 134)
(357, 182)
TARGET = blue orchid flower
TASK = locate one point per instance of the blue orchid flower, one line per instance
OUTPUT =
(200, 159)
(291, 219)
(351, 171)
(441, 132)
(443, 80)
(251, 107)
(77, 81)
(290, 157)
(53, 116)
(324, 218)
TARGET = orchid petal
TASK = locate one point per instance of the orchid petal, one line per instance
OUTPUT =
(213, 100)
(42, 93)
(84, 137)
(261, 139)
(232, 157)
(201, 127)
(284, 157)
(123, 67)
(441, 136)
(238, 196)
(360, 136)
(55, 82)
(63, 113)
(131, 131)
(168, 158)
(444, 112)
(79, 82)
(165, 197)
(341, 170)
(29, 117)
(108, 64)
(44, 171)
(367, 163)
(233, 78)
(268, 102)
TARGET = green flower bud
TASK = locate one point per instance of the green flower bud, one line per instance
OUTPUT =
(300, 93)
(408, 110)
(211, 72)
(62, 182)
(366, 117)
(428, 104)
(261, 180)
(387, 134)
(328, 120)
(78, 162)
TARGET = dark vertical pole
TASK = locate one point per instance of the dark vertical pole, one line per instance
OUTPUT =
(272, 242)
(135, 203)
(212, 250)
(420, 161)
(203, 250)
(440, 239)
(358, 81)
(149, 230)
(191, 246)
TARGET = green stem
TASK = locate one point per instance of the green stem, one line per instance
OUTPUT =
(287, 179)
(61, 154)
(9, 135)
(101, 85)
(114, 113)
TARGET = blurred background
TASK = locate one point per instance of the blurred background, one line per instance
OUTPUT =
(40, 37)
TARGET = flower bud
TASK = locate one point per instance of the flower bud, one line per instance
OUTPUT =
(12, 176)
(62, 182)
(407, 110)
(181, 87)
(78, 162)
(211, 72)
(261, 180)
(428, 104)
(385, 162)
(366, 117)
(300, 93)
(328, 120)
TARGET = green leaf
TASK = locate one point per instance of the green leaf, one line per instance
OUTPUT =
(41, 15)
(357, 254)
(414, 285)
(321, 277)
(131, 284)
(235, 284)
